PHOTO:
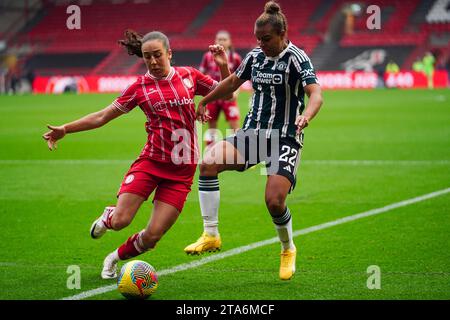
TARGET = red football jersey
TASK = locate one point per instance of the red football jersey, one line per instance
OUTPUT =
(168, 104)
(208, 65)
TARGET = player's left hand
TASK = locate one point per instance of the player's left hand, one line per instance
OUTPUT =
(219, 54)
(202, 114)
(301, 122)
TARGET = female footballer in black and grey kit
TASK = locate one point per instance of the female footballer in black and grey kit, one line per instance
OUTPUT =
(281, 74)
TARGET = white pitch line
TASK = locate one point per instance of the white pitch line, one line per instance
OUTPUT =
(239, 250)
(314, 162)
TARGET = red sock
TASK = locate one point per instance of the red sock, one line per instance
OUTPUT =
(107, 216)
(132, 247)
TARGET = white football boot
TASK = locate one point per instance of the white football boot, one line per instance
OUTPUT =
(110, 266)
(99, 227)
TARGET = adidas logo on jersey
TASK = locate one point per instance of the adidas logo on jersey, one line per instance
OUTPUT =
(288, 168)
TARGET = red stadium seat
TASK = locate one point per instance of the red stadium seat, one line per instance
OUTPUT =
(103, 23)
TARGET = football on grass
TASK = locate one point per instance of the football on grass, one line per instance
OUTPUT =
(137, 280)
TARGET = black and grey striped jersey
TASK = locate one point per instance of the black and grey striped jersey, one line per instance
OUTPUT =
(278, 83)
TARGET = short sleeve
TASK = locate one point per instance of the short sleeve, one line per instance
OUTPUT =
(244, 71)
(205, 84)
(304, 69)
(127, 100)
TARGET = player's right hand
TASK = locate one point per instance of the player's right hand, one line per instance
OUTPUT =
(56, 133)
(219, 54)
(301, 122)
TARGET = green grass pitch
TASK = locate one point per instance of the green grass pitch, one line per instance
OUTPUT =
(48, 205)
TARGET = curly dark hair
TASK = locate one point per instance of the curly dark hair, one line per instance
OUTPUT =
(133, 41)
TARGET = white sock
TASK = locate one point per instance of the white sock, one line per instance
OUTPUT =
(283, 225)
(209, 196)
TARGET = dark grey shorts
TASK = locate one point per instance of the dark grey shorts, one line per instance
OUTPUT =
(281, 155)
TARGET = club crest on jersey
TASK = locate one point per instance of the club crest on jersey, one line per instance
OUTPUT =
(129, 179)
(188, 83)
(159, 106)
(281, 66)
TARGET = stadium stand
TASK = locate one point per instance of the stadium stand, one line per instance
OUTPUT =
(409, 29)
(404, 24)
(15, 18)
(392, 31)
(238, 17)
(352, 58)
(65, 63)
(104, 22)
(51, 37)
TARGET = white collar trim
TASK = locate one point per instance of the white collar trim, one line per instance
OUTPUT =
(168, 77)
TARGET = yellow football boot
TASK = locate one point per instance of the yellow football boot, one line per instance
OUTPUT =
(206, 243)
(287, 263)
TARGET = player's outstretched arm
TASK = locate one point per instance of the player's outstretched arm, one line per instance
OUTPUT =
(89, 122)
(314, 93)
(223, 91)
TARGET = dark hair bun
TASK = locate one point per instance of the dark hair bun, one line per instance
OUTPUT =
(272, 7)
(132, 42)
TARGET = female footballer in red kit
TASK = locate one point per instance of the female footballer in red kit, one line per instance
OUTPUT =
(230, 107)
(166, 95)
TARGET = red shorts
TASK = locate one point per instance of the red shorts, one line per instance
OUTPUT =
(230, 108)
(172, 182)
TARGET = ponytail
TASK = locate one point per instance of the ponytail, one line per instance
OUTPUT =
(132, 42)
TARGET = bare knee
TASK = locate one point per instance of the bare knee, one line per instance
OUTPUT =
(221, 157)
(275, 204)
(209, 169)
(120, 220)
